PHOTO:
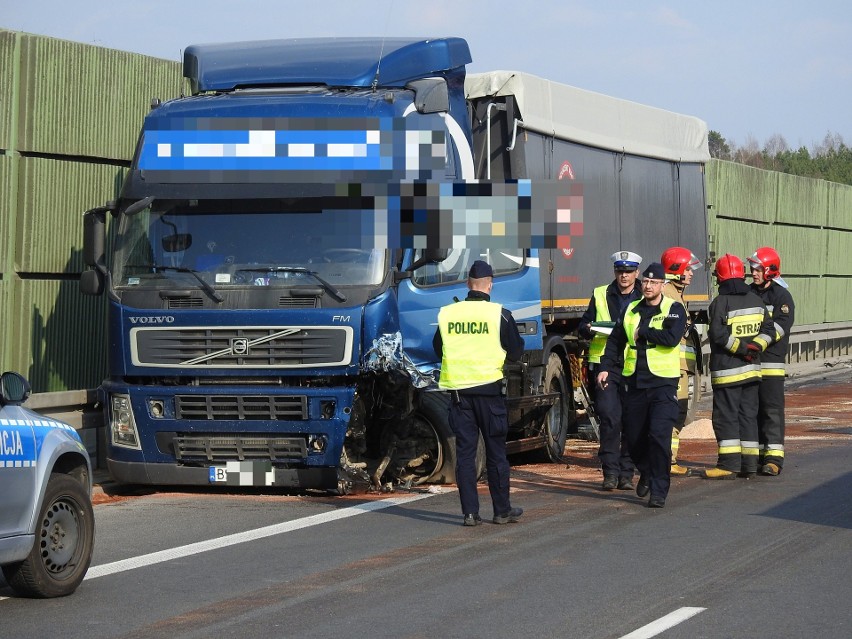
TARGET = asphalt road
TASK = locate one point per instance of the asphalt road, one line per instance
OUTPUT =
(745, 558)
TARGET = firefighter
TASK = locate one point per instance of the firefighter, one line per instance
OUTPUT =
(739, 332)
(767, 283)
(650, 329)
(679, 263)
(607, 304)
(474, 338)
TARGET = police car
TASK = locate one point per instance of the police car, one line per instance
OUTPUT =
(47, 527)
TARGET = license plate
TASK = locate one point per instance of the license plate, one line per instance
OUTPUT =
(243, 473)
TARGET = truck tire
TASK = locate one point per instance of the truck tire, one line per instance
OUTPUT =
(62, 552)
(434, 409)
(561, 417)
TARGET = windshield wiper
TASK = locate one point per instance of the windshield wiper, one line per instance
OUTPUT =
(182, 269)
(340, 297)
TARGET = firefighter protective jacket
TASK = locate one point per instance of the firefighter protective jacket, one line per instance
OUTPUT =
(737, 318)
(780, 305)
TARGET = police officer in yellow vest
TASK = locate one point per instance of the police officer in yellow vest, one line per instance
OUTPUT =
(474, 339)
(606, 305)
(651, 329)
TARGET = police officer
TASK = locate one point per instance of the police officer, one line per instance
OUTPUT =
(679, 263)
(651, 329)
(767, 283)
(607, 303)
(739, 331)
(474, 339)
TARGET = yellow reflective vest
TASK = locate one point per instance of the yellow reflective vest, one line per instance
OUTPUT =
(663, 361)
(598, 343)
(473, 354)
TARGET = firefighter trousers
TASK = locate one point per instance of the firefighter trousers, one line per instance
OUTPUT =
(770, 420)
(735, 426)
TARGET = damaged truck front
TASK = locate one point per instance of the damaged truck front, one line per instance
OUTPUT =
(266, 325)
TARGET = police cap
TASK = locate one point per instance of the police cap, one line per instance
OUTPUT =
(625, 261)
(480, 269)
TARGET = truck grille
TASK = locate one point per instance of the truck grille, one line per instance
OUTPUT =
(221, 448)
(241, 407)
(243, 347)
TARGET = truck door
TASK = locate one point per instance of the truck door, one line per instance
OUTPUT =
(516, 287)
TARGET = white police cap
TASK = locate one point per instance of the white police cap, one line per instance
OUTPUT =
(625, 260)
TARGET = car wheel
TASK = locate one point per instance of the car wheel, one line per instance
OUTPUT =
(62, 552)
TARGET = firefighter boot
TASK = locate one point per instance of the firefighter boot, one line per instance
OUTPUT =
(719, 473)
(677, 469)
(770, 469)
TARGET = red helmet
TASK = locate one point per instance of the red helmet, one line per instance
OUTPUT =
(676, 260)
(767, 258)
(729, 267)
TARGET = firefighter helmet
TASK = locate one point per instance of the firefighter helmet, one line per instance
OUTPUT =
(729, 267)
(676, 260)
(768, 259)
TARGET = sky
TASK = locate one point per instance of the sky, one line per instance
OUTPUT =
(751, 69)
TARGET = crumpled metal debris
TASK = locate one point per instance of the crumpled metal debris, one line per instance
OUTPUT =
(386, 355)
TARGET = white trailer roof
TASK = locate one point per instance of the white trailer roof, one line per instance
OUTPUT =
(596, 119)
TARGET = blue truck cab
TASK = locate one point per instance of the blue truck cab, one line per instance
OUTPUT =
(46, 518)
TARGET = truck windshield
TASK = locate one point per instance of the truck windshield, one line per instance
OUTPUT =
(161, 246)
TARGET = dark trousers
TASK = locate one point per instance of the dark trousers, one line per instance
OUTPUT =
(735, 426)
(770, 420)
(613, 452)
(649, 417)
(484, 414)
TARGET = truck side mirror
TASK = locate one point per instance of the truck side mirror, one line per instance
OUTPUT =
(92, 282)
(429, 256)
(430, 95)
(94, 250)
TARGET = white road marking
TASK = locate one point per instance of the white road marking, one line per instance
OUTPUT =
(249, 535)
(663, 623)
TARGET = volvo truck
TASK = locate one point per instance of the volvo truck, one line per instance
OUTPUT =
(284, 238)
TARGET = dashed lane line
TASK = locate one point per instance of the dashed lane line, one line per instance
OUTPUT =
(663, 623)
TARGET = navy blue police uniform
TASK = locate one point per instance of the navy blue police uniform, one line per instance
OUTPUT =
(616, 464)
(480, 408)
(651, 331)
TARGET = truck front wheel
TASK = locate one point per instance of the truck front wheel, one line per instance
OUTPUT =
(434, 413)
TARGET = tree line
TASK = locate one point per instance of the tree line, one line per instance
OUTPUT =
(830, 160)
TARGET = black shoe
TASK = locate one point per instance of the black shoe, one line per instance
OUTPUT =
(656, 502)
(643, 487)
(625, 483)
(472, 519)
(747, 474)
(609, 482)
(510, 517)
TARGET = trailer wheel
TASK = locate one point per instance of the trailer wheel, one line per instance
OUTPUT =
(561, 417)
(434, 412)
(62, 550)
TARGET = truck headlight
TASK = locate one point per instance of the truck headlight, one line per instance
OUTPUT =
(122, 424)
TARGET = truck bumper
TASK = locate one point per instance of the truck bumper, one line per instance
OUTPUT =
(323, 478)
